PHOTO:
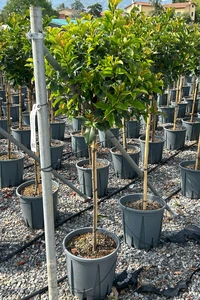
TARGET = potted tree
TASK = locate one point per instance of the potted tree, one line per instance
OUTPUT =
(105, 71)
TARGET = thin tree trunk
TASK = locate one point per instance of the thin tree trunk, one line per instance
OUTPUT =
(124, 134)
(197, 164)
(146, 157)
(20, 107)
(95, 193)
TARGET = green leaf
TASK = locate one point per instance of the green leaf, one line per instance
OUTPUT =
(90, 135)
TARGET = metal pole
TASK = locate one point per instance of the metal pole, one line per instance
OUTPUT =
(36, 36)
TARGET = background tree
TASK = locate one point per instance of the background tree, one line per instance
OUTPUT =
(21, 6)
(77, 5)
(60, 6)
(95, 9)
(158, 7)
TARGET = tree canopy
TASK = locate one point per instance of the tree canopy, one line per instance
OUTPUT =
(95, 9)
(77, 5)
(21, 6)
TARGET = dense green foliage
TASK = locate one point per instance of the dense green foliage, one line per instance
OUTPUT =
(108, 68)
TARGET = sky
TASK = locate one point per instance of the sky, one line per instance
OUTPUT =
(55, 3)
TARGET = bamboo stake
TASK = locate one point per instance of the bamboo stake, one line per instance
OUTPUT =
(29, 100)
(176, 103)
(194, 100)
(197, 164)
(95, 193)
(180, 89)
(20, 107)
(153, 117)
(124, 134)
(146, 157)
(168, 96)
(8, 117)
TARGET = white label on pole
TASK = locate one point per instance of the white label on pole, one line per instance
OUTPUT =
(33, 129)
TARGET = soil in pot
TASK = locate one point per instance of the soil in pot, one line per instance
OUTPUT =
(82, 245)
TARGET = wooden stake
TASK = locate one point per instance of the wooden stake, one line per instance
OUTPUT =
(124, 134)
(146, 157)
(95, 193)
(20, 107)
(194, 99)
(197, 164)
(8, 116)
(176, 103)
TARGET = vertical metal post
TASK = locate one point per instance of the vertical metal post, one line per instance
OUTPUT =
(44, 145)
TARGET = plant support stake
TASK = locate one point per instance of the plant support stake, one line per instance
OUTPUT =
(36, 37)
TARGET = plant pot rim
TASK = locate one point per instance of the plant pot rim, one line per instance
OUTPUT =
(76, 133)
(161, 139)
(21, 154)
(129, 147)
(58, 121)
(29, 182)
(140, 196)
(16, 128)
(87, 160)
(85, 230)
(166, 106)
(170, 128)
(187, 120)
(59, 143)
(187, 163)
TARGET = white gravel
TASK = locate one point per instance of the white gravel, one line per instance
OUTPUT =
(164, 265)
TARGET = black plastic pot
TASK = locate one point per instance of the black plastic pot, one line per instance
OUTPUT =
(3, 95)
(122, 168)
(185, 91)
(193, 128)
(14, 112)
(56, 151)
(79, 146)
(57, 129)
(133, 129)
(32, 206)
(167, 114)
(181, 109)
(85, 177)
(189, 100)
(173, 94)
(103, 139)
(162, 99)
(76, 124)
(11, 170)
(155, 149)
(142, 228)
(190, 179)
(22, 135)
(90, 279)
(174, 139)
(26, 120)
(4, 126)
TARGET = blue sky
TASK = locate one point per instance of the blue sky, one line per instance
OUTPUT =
(55, 3)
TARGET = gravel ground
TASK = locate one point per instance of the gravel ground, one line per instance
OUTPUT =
(164, 266)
